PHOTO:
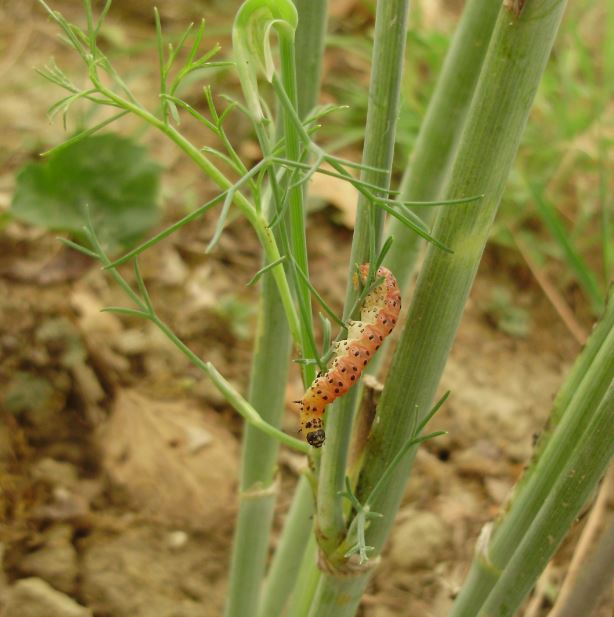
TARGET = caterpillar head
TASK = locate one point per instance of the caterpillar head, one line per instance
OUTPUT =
(316, 438)
(312, 424)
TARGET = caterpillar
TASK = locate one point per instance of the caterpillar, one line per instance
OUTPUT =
(378, 317)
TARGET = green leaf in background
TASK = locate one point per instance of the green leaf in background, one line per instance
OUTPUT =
(112, 175)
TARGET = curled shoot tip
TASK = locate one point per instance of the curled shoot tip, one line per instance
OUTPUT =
(251, 32)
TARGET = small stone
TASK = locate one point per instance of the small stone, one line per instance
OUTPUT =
(55, 561)
(197, 438)
(33, 597)
(418, 540)
(177, 539)
(172, 457)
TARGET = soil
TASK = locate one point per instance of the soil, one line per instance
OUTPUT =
(119, 460)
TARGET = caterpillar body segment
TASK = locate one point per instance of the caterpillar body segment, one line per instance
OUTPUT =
(378, 316)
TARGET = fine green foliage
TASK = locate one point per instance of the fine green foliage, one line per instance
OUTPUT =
(111, 174)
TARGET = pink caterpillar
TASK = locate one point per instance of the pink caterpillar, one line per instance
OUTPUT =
(378, 317)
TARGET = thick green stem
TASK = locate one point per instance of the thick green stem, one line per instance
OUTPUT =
(441, 128)
(573, 411)
(439, 134)
(578, 372)
(309, 45)
(517, 55)
(388, 53)
(513, 67)
(282, 575)
(579, 475)
(309, 576)
(338, 597)
(258, 488)
(535, 486)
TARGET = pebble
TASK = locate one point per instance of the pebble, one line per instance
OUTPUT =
(55, 561)
(33, 597)
(177, 539)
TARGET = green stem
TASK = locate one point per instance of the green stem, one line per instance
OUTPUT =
(270, 371)
(384, 89)
(258, 485)
(569, 406)
(338, 597)
(513, 66)
(573, 410)
(380, 132)
(441, 128)
(436, 143)
(439, 133)
(309, 575)
(309, 45)
(298, 529)
(579, 476)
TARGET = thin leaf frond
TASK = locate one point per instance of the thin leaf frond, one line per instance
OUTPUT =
(263, 270)
(83, 134)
